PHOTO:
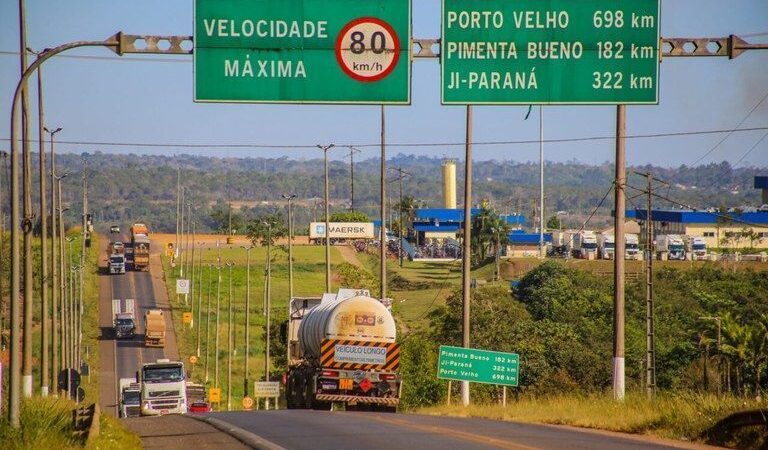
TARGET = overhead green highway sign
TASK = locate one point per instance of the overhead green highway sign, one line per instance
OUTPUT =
(478, 366)
(550, 52)
(302, 51)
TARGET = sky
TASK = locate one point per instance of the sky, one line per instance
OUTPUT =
(128, 100)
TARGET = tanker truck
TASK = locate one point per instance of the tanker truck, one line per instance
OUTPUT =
(341, 349)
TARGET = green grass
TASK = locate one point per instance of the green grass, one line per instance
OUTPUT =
(46, 423)
(309, 280)
(683, 416)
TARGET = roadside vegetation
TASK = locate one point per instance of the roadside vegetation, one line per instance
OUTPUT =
(47, 422)
(309, 280)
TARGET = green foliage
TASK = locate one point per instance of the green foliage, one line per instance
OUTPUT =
(220, 217)
(352, 276)
(268, 228)
(418, 362)
(553, 223)
(348, 216)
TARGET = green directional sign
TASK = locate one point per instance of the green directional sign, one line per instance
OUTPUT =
(550, 52)
(302, 51)
(478, 366)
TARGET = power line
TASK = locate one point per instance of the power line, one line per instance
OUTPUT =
(731, 132)
(401, 144)
(750, 150)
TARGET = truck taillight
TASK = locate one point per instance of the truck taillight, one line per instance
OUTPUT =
(387, 376)
(330, 373)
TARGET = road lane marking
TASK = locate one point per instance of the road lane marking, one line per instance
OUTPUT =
(454, 433)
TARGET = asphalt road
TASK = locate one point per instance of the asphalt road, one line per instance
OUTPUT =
(122, 358)
(334, 430)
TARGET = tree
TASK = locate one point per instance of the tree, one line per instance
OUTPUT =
(271, 225)
(220, 217)
(348, 216)
(554, 223)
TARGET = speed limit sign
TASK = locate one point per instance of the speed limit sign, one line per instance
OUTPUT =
(182, 286)
(367, 49)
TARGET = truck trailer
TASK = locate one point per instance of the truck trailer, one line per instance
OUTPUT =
(606, 245)
(342, 349)
(585, 245)
(140, 244)
(670, 247)
(124, 323)
(154, 328)
(697, 248)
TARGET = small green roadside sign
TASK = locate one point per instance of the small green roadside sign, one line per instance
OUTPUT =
(478, 366)
(302, 51)
(506, 52)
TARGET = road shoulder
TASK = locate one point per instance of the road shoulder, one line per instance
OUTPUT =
(182, 432)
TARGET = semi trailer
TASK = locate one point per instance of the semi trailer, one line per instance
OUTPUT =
(342, 349)
(140, 244)
(154, 328)
(124, 323)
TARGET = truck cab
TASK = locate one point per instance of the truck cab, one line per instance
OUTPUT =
(607, 246)
(130, 398)
(632, 247)
(585, 245)
(697, 248)
(163, 388)
(124, 322)
(116, 264)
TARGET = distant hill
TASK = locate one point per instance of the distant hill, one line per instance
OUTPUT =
(124, 188)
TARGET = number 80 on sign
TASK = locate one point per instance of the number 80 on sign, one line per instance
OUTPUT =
(367, 49)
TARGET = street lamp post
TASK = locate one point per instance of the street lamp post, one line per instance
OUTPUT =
(218, 309)
(290, 197)
(247, 317)
(208, 322)
(199, 297)
(54, 329)
(325, 149)
(230, 338)
(268, 304)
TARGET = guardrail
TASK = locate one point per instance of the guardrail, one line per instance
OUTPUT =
(85, 422)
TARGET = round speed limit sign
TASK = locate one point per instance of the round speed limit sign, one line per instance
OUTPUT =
(367, 49)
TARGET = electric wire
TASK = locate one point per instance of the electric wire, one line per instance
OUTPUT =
(400, 144)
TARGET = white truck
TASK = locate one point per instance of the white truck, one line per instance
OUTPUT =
(130, 398)
(163, 388)
(124, 320)
(585, 245)
(632, 244)
(117, 263)
(606, 245)
(562, 241)
(670, 247)
(697, 248)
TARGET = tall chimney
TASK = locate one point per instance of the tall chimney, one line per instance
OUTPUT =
(449, 184)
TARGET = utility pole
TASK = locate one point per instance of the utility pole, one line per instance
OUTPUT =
(218, 309)
(466, 256)
(46, 324)
(62, 275)
(230, 337)
(325, 149)
(268, 305)
(400, 175)
(3, 269)
(199, 298)
(352, 151)
(192, 270)
(618, 260)
(247, 316)
(650, 346)
(82, 262)
(289, 198)
(383, 211)
(542, 252)
(182, 252)
(178, 206)
(208, 322)
(27, 222)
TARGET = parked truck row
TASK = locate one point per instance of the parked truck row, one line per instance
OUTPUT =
(585, 244)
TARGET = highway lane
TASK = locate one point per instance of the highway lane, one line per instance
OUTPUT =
(128, 354)
(319, 430)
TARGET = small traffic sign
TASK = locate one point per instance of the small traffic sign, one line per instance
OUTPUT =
(187, 318)
(214, 395)
(182, 286)
(193, 359)
(247, 403)
(266, 389)
(368, 49)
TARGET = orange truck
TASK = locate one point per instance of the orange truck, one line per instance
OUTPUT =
(140, 244)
